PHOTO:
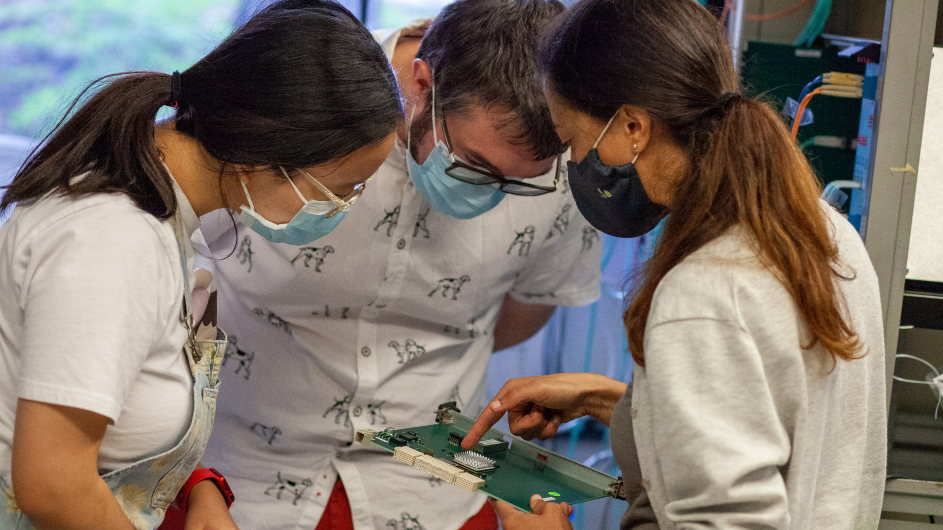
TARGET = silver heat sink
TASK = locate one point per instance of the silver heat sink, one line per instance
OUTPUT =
(473, 461)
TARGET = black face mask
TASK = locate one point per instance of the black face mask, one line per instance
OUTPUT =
(612, 198)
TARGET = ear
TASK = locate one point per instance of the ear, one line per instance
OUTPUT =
(248, 173)
(634, 124)
(421, 79)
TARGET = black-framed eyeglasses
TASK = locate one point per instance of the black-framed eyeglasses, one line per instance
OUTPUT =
(474, 175)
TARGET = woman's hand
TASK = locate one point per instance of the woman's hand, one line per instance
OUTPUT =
(546, 516)
(536, 406)
(206, 508)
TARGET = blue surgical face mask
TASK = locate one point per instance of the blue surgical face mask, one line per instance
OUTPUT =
(310, 223)
(444, 193)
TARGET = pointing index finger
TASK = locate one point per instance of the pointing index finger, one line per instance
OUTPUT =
(491, 415)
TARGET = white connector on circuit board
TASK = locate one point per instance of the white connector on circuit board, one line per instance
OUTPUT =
(406, 455)
(437, 468)
(468, 481)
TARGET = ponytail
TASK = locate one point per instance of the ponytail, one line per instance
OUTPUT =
(110, 139)
(750, 173)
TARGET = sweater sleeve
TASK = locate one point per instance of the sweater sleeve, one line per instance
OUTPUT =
(720, 446)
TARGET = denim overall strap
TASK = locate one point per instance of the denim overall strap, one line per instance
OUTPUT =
(186, 311)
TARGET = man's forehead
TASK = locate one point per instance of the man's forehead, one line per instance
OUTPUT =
(485, 136)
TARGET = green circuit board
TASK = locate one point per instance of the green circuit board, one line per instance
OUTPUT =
(521, 469)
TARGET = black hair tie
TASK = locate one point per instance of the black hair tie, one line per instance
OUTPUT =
(176, 90)
(727, 100)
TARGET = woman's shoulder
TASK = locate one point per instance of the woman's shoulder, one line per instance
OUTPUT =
(102, 219)
(709, 282)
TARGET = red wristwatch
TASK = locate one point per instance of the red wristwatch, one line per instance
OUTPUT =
(200, 475)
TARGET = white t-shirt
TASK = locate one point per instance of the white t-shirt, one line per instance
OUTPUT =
(90, 318)
(736, 424)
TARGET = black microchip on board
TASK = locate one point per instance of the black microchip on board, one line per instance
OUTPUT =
(410, 436)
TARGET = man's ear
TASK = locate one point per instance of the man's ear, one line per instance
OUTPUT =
(422, 78)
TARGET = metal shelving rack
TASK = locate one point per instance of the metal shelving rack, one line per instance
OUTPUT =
(907, 48)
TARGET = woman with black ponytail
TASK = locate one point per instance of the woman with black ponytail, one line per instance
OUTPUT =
(758, 396)
(109, 366)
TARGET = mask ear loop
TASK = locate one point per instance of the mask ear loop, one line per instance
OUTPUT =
(606, 128)
(300, 196)
(246, 190)
(412, 114)
(435, 137)
(409, 129)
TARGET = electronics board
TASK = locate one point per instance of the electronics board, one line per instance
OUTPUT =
(500, 465)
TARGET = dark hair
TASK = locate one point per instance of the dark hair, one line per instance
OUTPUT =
(671, 58)
(301, 83)
(484, 52)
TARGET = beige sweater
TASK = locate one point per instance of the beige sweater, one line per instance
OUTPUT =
(736, 425)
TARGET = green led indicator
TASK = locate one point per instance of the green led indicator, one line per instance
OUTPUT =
(554, 494)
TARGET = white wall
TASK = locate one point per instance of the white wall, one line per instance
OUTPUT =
(925, 260)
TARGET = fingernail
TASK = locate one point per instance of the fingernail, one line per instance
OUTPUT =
(496, 405)
(536, 496)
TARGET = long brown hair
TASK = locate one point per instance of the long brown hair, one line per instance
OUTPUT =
(671, 58)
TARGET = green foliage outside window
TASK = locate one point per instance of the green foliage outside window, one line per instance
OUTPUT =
(51, 49)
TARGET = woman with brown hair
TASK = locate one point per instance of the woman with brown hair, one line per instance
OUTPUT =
(759, 392)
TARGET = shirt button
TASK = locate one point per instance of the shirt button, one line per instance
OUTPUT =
(365, 351)
(401, 244)
(357, 411)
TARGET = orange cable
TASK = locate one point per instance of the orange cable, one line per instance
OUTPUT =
(805, 102)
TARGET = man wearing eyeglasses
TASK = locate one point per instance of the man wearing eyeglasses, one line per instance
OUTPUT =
(463, 244)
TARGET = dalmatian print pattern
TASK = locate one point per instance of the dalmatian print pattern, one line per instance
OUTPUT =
(405, 522)
(407, 351)
(293, 489)
(267, 434)
(242, 359)
(273, 319)
(244, 253)
(450, 285)
(341, 410)
(523, 241)
(313, 254)
(390, 220)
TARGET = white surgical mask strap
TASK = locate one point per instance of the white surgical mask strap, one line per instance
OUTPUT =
(435, 137)
(595, 145)
(409, 129)
(606, 128)
(300, 196)
(246, 190)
